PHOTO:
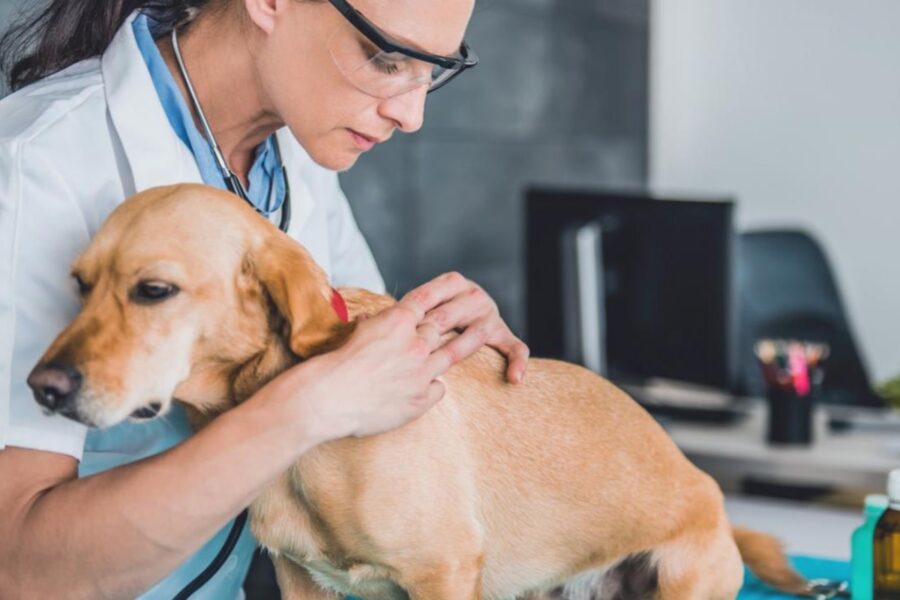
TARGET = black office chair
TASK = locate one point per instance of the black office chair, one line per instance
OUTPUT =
(787, 290)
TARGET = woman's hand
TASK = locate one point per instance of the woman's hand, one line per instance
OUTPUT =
(384, 376)
(453, 302)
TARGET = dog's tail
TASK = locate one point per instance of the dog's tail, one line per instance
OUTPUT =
(765, 557)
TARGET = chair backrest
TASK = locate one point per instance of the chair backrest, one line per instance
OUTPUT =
(787, 290)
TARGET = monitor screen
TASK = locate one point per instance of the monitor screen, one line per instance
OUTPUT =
(653, 275)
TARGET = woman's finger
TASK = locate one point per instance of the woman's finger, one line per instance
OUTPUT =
(437, 291)
(436, 391)
(458, 348)
(517, 354)
(461, 311)
(429, 332)
(513, 348)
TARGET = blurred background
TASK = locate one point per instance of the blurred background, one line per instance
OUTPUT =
(652, 187)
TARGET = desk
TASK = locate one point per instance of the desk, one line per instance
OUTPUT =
(856, 459)
(805, 529)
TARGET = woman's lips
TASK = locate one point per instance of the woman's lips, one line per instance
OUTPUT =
(363, 142)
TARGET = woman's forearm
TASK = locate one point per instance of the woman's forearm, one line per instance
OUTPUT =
(115, 534)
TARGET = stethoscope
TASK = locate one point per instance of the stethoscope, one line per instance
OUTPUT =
(231, 180)
(235, 186)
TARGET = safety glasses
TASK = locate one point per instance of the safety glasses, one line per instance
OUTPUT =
(380, 66)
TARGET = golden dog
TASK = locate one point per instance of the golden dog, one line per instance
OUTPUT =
(558, 486)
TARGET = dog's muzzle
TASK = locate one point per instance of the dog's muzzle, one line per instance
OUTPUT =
(55, 387)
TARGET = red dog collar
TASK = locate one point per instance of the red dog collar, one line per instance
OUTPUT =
(339, 306)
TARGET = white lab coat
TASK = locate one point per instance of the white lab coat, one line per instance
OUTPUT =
(72, 147)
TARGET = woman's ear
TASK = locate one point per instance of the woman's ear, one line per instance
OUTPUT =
(302, 294)
(262, 13)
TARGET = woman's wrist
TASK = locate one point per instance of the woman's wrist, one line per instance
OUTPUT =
(297, 400)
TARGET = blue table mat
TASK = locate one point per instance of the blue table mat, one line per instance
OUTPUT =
(810, 566)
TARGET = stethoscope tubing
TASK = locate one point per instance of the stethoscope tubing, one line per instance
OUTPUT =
(231, 180)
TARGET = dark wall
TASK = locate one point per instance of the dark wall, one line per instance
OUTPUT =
(560, 97)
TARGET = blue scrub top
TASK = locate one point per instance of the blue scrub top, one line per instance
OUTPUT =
(265, 169)
(132, 441)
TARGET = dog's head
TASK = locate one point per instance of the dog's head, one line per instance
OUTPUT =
(181, 287)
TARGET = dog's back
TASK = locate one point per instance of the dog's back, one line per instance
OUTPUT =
(576, 461)
(555, 472)
(564, 478)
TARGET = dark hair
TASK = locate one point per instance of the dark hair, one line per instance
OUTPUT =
(50, 38)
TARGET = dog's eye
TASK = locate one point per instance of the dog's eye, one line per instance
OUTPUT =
(148, 292)
(83, 288)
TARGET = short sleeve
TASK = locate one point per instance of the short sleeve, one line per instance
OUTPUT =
(42, 230)
(352, 262)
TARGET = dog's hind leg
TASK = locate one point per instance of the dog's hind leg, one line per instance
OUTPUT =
(457, 580)
(700, 565)
(632, 578)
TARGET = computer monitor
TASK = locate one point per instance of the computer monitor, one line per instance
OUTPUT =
(633, 286)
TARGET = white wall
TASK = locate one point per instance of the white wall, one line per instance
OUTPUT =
(793, 106)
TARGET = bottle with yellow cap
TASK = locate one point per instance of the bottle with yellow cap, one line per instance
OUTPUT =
(886, 548)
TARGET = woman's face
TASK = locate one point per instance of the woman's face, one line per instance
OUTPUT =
(303, 84)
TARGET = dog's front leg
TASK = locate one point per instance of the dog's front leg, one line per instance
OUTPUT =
(460, 580)
(296, 584)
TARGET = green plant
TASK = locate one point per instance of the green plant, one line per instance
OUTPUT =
(890, 391)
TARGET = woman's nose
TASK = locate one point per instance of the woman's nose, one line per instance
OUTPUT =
(406, 110)
(54, 386)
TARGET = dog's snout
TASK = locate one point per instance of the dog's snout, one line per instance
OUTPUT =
(54, 386)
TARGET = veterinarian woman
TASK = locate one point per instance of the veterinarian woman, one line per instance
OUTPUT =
(102, 109)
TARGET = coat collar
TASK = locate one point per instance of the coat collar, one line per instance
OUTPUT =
(154, 153)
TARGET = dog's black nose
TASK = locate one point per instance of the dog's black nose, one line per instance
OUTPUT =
(54, 386)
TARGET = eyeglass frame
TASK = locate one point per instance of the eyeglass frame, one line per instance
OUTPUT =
(467, 60)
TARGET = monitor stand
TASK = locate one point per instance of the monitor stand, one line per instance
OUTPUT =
(584, 311)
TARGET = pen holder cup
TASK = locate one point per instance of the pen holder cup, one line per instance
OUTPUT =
(790, 417)
(793, 374)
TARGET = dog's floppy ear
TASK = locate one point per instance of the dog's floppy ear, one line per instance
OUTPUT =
(301, 292)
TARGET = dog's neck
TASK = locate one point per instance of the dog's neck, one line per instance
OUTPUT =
(276, 356)
(250, 376)
(217, 386)
(212, 389)
(219, 383)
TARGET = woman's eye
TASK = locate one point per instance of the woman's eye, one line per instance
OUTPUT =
(385, 66)
(150, 292)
